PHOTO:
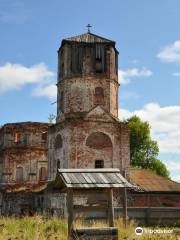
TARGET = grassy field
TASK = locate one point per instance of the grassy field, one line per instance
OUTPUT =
(37, 228)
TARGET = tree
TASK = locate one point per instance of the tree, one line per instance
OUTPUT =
(51, 118)
(144, 150)
(160, 168)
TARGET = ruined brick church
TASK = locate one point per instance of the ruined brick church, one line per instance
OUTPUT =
(87, 132)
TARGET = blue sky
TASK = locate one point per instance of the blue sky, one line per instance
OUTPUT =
(147, 37)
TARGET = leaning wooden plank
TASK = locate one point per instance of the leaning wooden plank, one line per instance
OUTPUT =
(96, 233)
(70, 211)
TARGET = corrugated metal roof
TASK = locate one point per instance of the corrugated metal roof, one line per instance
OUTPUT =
(93, 178)
(88, 38)
(151, 182)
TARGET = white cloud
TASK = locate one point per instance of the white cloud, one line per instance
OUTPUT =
(165, 124)
(126, 75)
(134, 61)
(170, 53)
(173, 166)
(176, 178)
(125, 95)
(49, 91)
(176, 74)
(14, 76)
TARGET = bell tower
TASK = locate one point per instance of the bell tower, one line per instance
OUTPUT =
(87, 133)
(87, 75)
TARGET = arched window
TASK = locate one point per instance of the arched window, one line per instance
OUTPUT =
(44, 136)
(99, 96)
(42, 174)
(98, 140)
(58, 142)
(19, 174)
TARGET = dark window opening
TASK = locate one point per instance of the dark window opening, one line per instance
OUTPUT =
(19, 174)
(99, 61)
(77, 59)
(44, 136)
(25, 139)
(42, 174)
(17, 138)
(99, 164)
(99, 66)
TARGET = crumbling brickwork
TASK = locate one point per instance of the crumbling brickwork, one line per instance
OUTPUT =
(154, 200)
(23, 165)
(75, 151)
(23, 152)
(87, 75)
(87, 129)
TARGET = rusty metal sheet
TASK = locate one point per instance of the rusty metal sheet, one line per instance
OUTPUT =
(149, 181)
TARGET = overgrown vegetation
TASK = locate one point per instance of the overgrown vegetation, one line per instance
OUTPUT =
(38, 228)
(144, 150)
(35, 228)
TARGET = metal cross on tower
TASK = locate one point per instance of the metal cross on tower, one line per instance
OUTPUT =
(88, 27)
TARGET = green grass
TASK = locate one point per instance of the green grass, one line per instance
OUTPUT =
(39, 228)
(35, 228)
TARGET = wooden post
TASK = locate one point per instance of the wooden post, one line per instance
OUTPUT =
(125, 203)
(111, 208)
(70, 211)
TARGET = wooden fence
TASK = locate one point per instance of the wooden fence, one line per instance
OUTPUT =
(158, 216)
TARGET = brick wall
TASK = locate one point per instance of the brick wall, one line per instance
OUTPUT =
(23, 151)
(154, 200)
(76, 153)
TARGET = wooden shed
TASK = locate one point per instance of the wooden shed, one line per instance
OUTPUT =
(91, 181)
